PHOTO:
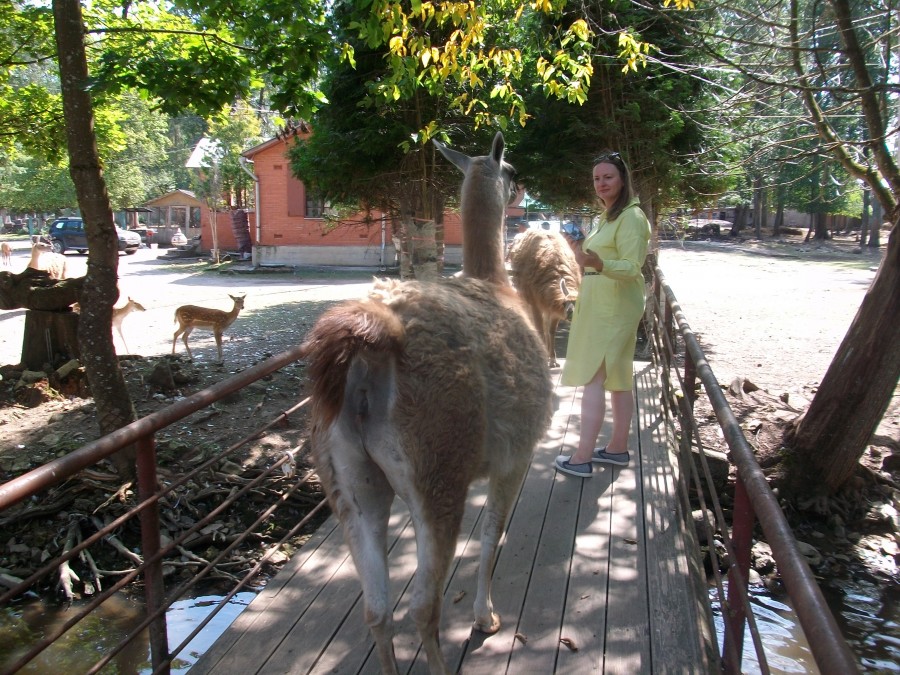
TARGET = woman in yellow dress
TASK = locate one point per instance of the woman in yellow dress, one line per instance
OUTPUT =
(610, 305)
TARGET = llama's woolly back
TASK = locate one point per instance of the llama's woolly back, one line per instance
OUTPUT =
(454, 344)
(539, 260)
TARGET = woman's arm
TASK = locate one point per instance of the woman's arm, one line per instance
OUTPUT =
(632, 240)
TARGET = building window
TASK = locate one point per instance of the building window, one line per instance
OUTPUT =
(315, 205)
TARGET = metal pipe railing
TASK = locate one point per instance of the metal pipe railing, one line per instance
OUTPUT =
(141, 433)
(829, 648)
(54, 472)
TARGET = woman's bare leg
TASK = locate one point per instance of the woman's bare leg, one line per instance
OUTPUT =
(622, 404)
(593, 411)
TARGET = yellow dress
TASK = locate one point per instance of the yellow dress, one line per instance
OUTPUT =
(610, 304)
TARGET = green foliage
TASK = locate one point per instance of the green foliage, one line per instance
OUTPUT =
(234, 129)
(283, 41)
(134, 143)
(30, 184)
(644, 115)
(166, 57)
(468, 57)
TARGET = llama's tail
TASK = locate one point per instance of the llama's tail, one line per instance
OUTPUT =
(339, 336)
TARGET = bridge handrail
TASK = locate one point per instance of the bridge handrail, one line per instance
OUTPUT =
(829, 648)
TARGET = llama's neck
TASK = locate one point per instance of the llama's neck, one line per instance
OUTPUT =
(34, 263)
(482, 211)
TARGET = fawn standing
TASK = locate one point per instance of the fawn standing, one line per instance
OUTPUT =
(119, 314)
(190, 317)
(6, 251)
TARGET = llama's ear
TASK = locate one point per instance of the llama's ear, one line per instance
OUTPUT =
(497, 148)
(459, 160)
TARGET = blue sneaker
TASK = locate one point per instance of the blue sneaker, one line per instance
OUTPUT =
(601, 456)
(562, 463)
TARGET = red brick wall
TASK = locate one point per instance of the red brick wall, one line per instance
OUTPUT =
(278, 228)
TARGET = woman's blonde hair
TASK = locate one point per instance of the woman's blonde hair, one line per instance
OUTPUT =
(626, 194)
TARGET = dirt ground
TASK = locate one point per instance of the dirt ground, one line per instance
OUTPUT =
(771, 313)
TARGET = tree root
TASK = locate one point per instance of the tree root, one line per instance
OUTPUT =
(67, 576)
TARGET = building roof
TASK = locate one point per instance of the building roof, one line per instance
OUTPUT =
(207, 149)
(292, 129)
(175, 198)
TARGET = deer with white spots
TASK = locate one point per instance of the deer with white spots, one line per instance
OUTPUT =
(190, 317)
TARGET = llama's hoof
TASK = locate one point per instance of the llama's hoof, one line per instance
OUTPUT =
(488, 627)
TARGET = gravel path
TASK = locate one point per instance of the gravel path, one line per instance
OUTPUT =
(776, 320)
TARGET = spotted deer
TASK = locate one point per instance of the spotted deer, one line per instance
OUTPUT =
(6, 252)
(190, 317)
(418, 390)
(119, 314)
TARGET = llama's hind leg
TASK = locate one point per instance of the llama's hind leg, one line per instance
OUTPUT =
(435, 547)
(361, 499)
(502, 493)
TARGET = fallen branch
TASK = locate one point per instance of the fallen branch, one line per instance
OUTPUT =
(118, 494)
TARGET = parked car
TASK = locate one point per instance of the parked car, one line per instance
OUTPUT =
(68, 233)
(146, 234)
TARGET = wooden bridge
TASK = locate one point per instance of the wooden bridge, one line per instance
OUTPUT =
(599, 575)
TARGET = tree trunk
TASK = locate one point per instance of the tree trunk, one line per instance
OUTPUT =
(757, 206)
(779, 220)
(825, 444)
(739, 218)
(424, 250)
(114, 406)
(34, 289)
(875, 226)
(865, 220)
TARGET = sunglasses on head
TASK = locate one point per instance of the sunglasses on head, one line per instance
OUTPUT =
(608, 157)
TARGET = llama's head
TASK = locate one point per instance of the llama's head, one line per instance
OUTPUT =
(487, 168)
(487, 189)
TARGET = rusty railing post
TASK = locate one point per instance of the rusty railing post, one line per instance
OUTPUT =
(738, 576)
(154, 586)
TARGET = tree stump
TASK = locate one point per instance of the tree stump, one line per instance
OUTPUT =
(49, 337)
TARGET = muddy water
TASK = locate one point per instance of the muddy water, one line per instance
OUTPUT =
(102, 630)
(868, 612)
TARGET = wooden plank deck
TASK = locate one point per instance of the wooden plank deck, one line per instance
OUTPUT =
(607, 564)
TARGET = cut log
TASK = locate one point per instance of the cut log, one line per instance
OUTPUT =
(50, 337)
(34, 289)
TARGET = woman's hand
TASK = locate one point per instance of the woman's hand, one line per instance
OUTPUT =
(587, 258)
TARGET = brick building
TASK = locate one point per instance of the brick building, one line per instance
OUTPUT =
(288, 227)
